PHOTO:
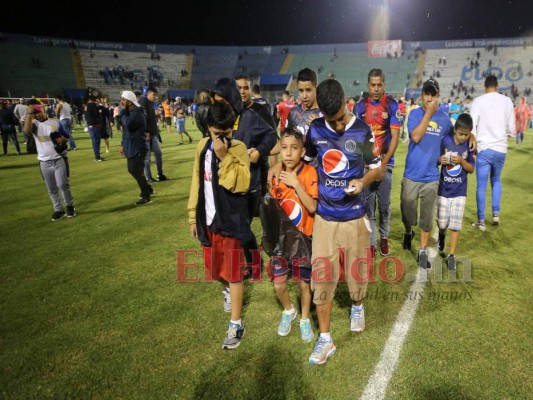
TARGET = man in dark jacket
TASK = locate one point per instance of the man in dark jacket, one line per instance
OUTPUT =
(94, 124)
(134, 138)
(8, 127)
(244, 82)
(204, 101)
(252, 130)
(147, 103)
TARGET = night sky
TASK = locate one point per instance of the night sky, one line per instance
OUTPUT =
(272, 22)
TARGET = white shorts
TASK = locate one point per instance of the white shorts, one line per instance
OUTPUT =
(450, 212)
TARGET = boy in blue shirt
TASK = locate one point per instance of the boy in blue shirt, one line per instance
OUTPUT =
(457, 162)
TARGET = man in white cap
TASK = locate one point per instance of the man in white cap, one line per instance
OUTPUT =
(134, 139)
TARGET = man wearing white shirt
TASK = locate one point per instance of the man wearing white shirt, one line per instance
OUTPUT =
(493, 117)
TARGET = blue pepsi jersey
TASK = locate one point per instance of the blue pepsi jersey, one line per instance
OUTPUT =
(453, 178)
(341, 158)
(422, 160)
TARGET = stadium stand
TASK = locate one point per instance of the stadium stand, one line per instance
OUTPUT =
(41, 66)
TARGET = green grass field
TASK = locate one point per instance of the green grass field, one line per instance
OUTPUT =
(91, 307)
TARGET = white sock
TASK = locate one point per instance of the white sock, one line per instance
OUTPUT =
(290, 311)
(358, 308)
(326, 336)
(238, 322)
(304, 320)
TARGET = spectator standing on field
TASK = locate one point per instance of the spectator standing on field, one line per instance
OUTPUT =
(64, 113)
(8, 127)
(94, 124)
(381, 112)
(147, 103)
(180, 110)
(493, 117)
(50, 141)
(134, 146)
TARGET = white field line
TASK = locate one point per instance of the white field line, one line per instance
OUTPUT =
(376, 387)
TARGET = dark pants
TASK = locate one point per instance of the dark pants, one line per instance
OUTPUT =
(136, 169)
(9, 131)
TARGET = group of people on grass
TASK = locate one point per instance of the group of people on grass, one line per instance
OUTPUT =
(334, 172)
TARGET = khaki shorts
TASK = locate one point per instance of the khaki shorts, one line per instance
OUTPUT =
(341, 252)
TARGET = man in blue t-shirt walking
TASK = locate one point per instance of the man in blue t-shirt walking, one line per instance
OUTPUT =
(426, 126)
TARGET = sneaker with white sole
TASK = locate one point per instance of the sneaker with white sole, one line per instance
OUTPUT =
(479, 225)
(56, 216)
(285, 324)
(357, 319)
(234, 335)
(306, 330)
(451, 263)
(71, 211)
(495, 219)
(423, 259)
(322, 351)
(227, 300)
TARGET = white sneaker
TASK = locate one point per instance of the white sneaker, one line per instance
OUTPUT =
(495, 219)
(479, 225)
(322, 351)
(285, 324)
(357, 319)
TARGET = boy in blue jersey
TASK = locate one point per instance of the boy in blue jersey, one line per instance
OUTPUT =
(457, 162)
(342, 145)
(426, 126)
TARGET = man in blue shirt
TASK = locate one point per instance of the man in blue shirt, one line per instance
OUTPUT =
(426, 126)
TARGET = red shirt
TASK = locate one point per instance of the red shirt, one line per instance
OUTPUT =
(284, 108)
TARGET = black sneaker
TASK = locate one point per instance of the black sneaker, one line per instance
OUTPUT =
(407, 238)
(151, 180)
(233, 336)
(451, 263)
(58, 215)
(143, 201)
(442, 239)
(422, 259)
(71, 211)
(162, 177)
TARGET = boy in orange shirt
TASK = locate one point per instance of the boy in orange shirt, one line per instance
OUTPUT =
(297, 193)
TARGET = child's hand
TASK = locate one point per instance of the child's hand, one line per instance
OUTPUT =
(254, 155)
(455, 159)
(192, 229)
(443, 159)
(220, 146)
(289, 178)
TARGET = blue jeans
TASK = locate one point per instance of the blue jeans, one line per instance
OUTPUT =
(489, 163)
(379, 192)
(96, 138)
(153, 145)
(66, 123)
